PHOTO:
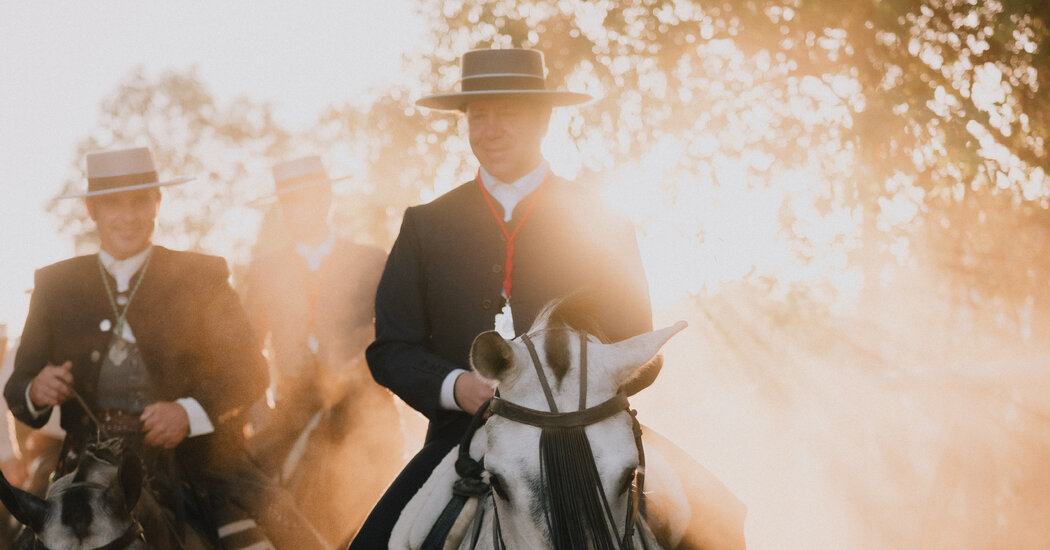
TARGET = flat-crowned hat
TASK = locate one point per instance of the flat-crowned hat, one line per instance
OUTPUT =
(297, 174)
(505, 72)
(122, 170)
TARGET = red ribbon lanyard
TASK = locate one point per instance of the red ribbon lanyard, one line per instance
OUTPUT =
(508, 267)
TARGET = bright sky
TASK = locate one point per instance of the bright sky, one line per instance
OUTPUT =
(60, 59)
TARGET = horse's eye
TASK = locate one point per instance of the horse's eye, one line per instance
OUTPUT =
(626, 480)
(499, 486)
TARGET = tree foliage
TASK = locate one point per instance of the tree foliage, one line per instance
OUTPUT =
(877, 130)
(867, 130)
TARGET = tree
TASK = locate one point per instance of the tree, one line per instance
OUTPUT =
(863, 124)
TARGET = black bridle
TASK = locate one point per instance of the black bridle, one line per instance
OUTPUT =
(471, 484)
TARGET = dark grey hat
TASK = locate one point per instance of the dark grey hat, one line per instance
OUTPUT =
(501, 73)
(293, 175)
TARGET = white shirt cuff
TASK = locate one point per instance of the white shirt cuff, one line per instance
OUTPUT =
(200, 424)
(448, 391)
(35, 412)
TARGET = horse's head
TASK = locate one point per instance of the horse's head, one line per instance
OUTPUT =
(88, 508)
(579, 482)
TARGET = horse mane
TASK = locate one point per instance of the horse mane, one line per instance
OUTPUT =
(579, 311)
(77, 513)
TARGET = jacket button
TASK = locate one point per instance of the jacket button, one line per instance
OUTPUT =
(486, 304)
(95, 356)
(496, 268)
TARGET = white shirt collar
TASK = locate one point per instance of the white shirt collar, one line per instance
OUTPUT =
(510, 194)
(314, 256)
(123, 270)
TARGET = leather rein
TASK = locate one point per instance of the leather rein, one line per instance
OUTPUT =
(471, 485)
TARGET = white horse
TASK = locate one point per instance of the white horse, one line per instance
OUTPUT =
(563, 461)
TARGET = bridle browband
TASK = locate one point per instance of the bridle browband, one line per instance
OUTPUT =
(471, 484)
(540, 419)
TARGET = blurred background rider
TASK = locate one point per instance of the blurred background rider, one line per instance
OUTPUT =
(333, 436)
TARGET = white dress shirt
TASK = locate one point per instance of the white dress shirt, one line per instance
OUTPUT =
(315, 256)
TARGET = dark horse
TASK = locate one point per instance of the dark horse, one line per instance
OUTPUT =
(99, 504)
(89, 508)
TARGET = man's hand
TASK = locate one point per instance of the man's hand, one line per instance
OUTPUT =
(52, 386)
(471, 391)
(165, 424)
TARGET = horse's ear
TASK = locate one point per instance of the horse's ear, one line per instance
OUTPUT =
(491, 355)
(130, 474)
(623, 358)
(29, 509)
(643, 377)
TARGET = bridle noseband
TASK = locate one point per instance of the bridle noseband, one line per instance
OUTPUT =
(471, 485)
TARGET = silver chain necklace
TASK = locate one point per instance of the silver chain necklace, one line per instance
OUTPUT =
(117, 312)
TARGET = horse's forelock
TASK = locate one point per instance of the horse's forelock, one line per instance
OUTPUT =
(77, 511)
(576, 514)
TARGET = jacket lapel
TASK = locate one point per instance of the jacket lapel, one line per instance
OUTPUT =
(147, 318)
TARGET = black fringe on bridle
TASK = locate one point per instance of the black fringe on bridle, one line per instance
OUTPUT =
(578, 514)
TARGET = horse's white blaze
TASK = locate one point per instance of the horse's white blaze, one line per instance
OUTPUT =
(512, 457)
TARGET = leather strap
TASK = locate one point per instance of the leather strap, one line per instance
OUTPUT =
(468, 486)
(539, 372)
(541, 419)
(583, 371)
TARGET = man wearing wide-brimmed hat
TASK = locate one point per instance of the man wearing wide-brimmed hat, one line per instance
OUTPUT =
(489, 255)
(147, 344)
(332, 431)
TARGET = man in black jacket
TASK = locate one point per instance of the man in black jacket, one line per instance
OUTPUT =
(150, 345)
(490, 254)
